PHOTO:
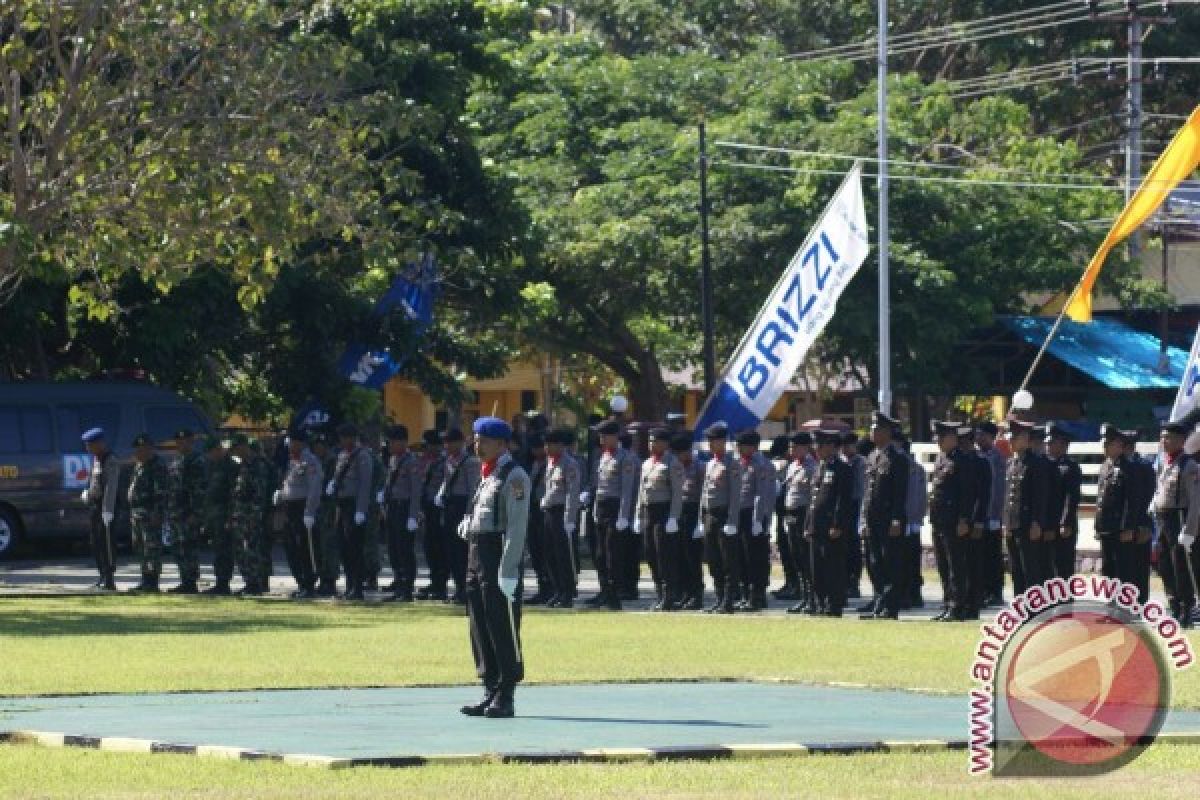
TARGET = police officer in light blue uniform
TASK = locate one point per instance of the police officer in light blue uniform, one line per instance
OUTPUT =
(101, 498)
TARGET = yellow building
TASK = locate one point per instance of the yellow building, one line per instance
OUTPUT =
(522, 388)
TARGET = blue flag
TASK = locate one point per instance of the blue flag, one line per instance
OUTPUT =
(413, 292)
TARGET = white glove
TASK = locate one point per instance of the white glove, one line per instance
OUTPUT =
(412, 524)
(672, 526)
(637, 526)
(439, 501)
(730, 530)
(508, 588)
(107, 516)
(699, 532)
(83, 495)
(756, 527)
(359, 518)
(622, 524)
(462, 529)
(277, 498)
(1187, 540)
(330, 489)
(569, 528)
(585, 498)
(309, 522)
(379, 497)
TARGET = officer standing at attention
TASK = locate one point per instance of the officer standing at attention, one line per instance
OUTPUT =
(101, 497)
(854, 546)
(614, 486)
(461, 478)
(148, 492)
(720, 509)
(560, 510)
(186, 496)
(1114, 517)
(1025, 517)
(1137, 551)
(992, 558)
(754, 521)
(828, 525)
(351, 487)
(780, 455)
(535, 538)
(251, 492)
(1063, 503)
(796, 492)
(300, 497)
(1176, 508)
(494, 526)
(689, 522)
(218, 497)
(656, 516)
(953, 505)
(433, 471)
(884, 518)
(401, 499)
(326, 528)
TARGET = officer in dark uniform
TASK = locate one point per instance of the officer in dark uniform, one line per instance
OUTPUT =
(953, 505)
(1136, 553)
(101, 497)
(682, 447)
(795, 497)
(494, 526)
(1115, 518)
(401, 499)
(535, 465)
(1063, 502)
(1176, 508)
(884, 518)
(1025, 518)
(613, 485)
(828, 524)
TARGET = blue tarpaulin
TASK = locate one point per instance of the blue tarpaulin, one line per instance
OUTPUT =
(1109, 351)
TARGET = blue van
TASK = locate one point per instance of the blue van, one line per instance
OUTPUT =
(43, 464)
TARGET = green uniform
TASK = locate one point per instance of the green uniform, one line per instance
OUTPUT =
(185, 512)
(251, 494)
(267, 540)
(149, 488)
(218, 496)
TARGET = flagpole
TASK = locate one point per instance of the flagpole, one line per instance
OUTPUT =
(1049, 337)
(885, 332)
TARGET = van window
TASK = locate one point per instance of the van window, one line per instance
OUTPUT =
(25, 430)
(163, 421)
(73, 420)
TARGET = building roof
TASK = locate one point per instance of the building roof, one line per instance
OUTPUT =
(1108, 350)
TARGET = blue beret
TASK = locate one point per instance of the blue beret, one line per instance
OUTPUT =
(492, 428)
(92, 435)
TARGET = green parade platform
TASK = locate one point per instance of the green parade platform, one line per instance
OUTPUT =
(412, 726)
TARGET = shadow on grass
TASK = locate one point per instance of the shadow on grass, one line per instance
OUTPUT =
(104, 616)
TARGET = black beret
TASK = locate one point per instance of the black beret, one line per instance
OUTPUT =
(682, 442)
(749, 438)
(347, 429)
(718, 430)
(1172, 426)
(563, 436)
(1016, 426)
(945, 428)
(660, 435)
(779, 446)
(849, 437)
(431, 437)
(142, 440)
(883, 420)
(1039, 431)
(802, 437)
(1130, 437)
(398, 432)
(831, 437)
(990, 428)
(609, 427)
(454, 435)
(1109, 432)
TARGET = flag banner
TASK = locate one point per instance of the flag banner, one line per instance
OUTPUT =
(795, 313)
(414, 292)
(1188, 395)
(1177, 162)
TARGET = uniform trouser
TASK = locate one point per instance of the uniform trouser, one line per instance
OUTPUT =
(300, 545)
(783, 544)
(915, 579)
(1169, 527)
(1037, 557)
(692, 551)
(187, 548)
(436, 547)
(650, 550)
(1160, 557)
(801, 549)
(147, 542)
(220, 537)
(456, 546)
(876, 563)
(351, 538)
(330, 554)
(245, 529)
(632, 553)
(1133, 566)
(265, 543)
(670, 552)
(958, 583)
(893, 557)
(941, 556)
(610, 544)
(828, 570)
(716, 549)
(495, 621)
(401, 545)
(854, 553)
(993, 562)
(756, 551)
(104, 548)
(1015, 564)
(1064, 554)
(535, 542)
(560, 557)
(1109, 553)
(372, 562)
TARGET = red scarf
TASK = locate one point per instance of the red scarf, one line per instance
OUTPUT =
(487, 468)
(746, 461)
(608, 451)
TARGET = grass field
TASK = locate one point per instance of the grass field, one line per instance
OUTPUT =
(126, 644)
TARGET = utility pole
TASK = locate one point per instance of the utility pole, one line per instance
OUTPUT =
(885, 332)
(1133, 141)
(706, 301)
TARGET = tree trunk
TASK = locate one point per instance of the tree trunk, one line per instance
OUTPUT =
(648, 392)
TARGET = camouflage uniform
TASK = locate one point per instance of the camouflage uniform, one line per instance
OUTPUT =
(251, 494)
(187, 496)
(218, 493)
(148, 491)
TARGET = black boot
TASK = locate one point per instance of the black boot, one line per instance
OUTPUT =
(110, 584)
(613, 599)
(478, 709)
(501, 706)
(185, 587)
(221, 587)
(325, 589)
(149, 585)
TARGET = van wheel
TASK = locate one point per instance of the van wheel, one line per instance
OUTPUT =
(10, 533)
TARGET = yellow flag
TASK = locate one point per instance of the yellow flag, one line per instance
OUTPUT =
(1177, 162)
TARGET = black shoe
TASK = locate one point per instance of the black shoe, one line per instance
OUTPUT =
(186, 587)
(110, 585)
(918, 602)
(99, 584)
(326, 590)
(832, 612)
(305, 594)
(799, 608)
(785, 592)
(692, 604)
(597, 600)
(400, 597)
(613, 603)
(726, 606)
(478, 709)
(565, 602)
(887, 615)
(501, 706)
(148, 585)
(853, 593)
(392, 587)
(541, 598)
(249, 590)
(869, 608)
(220, 588)
(628, 595)
(372, 585)
(942, 616)
(355, 594)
